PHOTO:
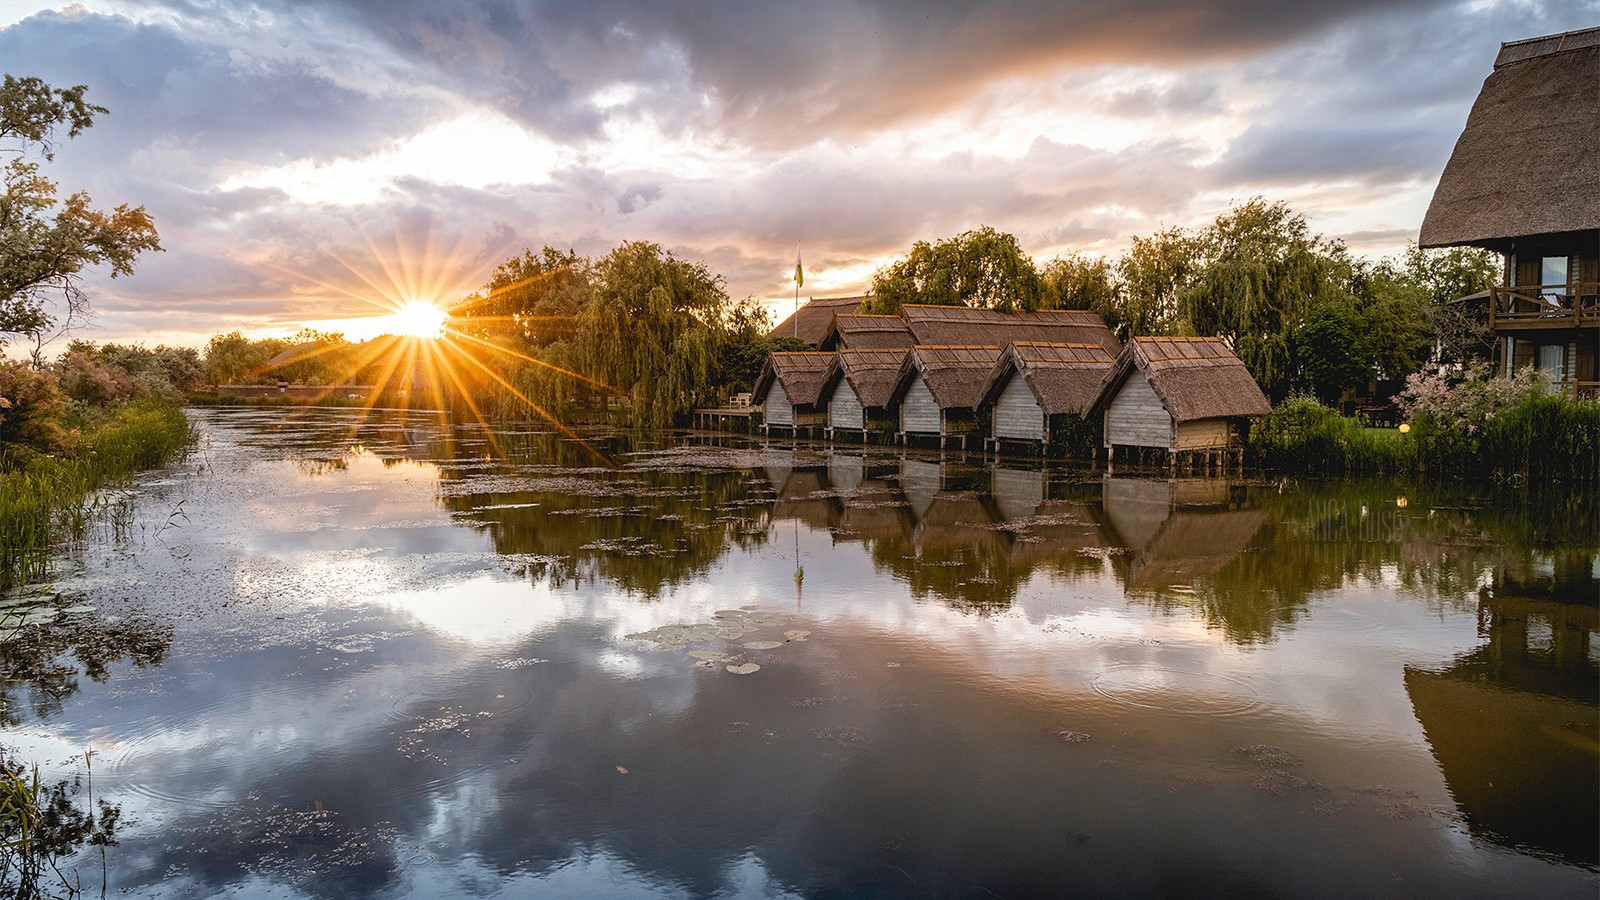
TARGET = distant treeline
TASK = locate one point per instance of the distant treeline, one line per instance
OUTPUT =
(657, 335)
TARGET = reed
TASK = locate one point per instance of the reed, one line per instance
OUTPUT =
(46, 499)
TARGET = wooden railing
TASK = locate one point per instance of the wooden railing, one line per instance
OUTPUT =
(1545, 305)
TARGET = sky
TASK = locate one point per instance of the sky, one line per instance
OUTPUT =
(315, 162)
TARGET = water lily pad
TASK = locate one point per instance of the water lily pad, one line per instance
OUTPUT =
(731, 634)
(712, 655)
(762, 645)
(699, 635)
(744, 669)
(728, 614)
(796, 634)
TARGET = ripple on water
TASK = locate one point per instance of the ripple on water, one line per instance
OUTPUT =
(1177, 691)
(186, 755)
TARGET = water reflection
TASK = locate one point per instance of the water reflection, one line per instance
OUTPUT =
(1514, 724)
(402, 666)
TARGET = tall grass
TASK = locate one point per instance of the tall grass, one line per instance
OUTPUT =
(48, 498)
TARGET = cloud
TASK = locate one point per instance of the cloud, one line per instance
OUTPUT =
(272, 140)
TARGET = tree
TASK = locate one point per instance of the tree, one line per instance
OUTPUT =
(44, 245)
(1077, 281)
(233, 358)
(1331, 349)
(984, 268)
(530, 301)
(1153, 271)
(1261, 271)
(653, 328)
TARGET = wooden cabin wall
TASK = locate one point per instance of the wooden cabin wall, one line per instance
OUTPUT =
(778, 410)
(1135, 416)
(1202, 434)
(1017, 414)
(919, 412)
(844, 407)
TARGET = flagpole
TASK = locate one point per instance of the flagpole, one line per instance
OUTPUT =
(798, 280)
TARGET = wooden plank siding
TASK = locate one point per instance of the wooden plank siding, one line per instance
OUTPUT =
(1136, 418)
(1017, 414)
(778, 410)
(844, 407)
(1202, 434)
(919, 412)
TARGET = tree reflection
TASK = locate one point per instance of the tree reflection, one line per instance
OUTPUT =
(41, 665)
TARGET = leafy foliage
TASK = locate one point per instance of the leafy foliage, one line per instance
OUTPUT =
(46, 244)
(983, 267)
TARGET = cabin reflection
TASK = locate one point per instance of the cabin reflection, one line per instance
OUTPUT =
(1176, 531)
(1515, 729)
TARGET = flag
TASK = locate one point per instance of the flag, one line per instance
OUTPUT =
(799, 273)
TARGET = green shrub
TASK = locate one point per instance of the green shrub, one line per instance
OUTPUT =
(1302, 435)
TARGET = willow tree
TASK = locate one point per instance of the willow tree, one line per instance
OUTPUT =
(1152, 274)
(983, 267)
(1261, 271)
(530, 300)
(652, 329)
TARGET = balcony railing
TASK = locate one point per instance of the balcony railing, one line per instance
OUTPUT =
(1545, 305)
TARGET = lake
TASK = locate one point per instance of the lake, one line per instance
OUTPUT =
(337, 656)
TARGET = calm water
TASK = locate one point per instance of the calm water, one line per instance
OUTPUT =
(334, 659)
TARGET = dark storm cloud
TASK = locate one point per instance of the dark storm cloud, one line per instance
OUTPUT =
(780, 72)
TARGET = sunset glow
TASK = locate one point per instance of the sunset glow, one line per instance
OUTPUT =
(415, 318)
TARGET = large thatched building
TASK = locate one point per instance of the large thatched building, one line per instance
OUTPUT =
(939, 390)
(789, 390)
(810, 322)
(858, 390)
(968, 326)
(1034, 383)
(1177, 394)
(1524, 180)
(858, 331)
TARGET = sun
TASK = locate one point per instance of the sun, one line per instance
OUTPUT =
(414, 318)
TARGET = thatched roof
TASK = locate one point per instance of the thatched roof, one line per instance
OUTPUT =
(872, 374)
(856, 331)
(1194, 377)
(952, 325)
(955, 375)
(801, 375)
(1525, 163)
(814, 318)
(1064, 378)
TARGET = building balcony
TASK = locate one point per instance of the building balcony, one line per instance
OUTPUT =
(1543, 307)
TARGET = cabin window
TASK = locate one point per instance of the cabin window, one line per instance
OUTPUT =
(1553, 275)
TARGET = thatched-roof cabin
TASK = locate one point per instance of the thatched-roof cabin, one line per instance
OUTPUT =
(810, 322)
(1178, 394)
(1033, 383)
(789, 389)
(962, 325)
(939, 389)
(858, 390)
(1523, 180)
(859, 331)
